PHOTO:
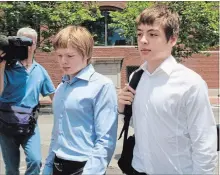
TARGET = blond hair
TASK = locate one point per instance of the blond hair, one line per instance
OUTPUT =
(160, 13)
(77, 37)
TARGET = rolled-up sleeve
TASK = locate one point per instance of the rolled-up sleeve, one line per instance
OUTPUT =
(47, 85)
(202, 129)
(105, 121)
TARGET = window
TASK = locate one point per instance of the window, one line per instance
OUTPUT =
(114, 37)
(103, 35)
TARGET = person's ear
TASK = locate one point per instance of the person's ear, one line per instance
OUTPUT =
(85, 58)
(173, 40)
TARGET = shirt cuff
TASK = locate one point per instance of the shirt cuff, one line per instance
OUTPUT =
(48, 170)
(120, 112)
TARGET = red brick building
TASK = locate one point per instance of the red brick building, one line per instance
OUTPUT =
(116, 61)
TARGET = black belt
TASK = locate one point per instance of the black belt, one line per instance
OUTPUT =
(66, 167)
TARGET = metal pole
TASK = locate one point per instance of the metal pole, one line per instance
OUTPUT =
(106, 28)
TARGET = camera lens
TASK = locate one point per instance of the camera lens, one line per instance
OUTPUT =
(17, 42)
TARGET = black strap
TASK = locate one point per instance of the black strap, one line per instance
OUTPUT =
(218, 126)
(128, 108)
(37, 107)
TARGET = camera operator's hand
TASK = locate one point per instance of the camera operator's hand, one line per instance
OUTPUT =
(2, 62)
(2, 69)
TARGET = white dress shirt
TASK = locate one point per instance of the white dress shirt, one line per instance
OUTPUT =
(174, 125)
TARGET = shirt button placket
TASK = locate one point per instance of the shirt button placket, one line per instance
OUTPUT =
(60, 124)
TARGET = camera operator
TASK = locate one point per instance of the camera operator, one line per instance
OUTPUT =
(20, 85)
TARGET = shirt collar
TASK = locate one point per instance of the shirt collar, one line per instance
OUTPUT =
(167, 65)
(18, 64)
(84, 74)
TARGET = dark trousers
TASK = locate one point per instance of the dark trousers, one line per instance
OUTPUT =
(66, 167)
(134, 172)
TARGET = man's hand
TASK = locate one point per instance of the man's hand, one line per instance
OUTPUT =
(2, 62)
(2, 65)
(2, 69)
(125, 97)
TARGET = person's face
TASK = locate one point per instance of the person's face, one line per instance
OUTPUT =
(32, 48)
(70, 60)
(152, 42)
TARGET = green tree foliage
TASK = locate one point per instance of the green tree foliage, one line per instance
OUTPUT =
(125, 19)
(46, 17)
(199, 28)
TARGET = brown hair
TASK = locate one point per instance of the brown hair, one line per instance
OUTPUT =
(77, 37)
(159, 13)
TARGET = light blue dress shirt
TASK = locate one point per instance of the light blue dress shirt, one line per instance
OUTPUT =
(85, 123)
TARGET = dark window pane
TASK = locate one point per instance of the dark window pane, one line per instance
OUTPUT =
(115, 37)
(97, 29)
(103, 35)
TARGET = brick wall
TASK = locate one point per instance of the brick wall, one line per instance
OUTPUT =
(207, 67)
(114, 4)
(49, 61)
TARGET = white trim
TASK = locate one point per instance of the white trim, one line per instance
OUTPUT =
(106, 61)
(108, 58)
(210, 51)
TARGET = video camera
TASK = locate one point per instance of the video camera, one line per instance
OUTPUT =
(16, 48)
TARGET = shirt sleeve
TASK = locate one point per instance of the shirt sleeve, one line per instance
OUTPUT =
(5, 80)
(106, 122)
(48, 168)
(202, 129)
(47, 86)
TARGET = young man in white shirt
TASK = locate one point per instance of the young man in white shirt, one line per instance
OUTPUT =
(175, 129)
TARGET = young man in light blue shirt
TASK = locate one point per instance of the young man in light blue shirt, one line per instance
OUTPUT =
(85, 110)
(21, 85)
